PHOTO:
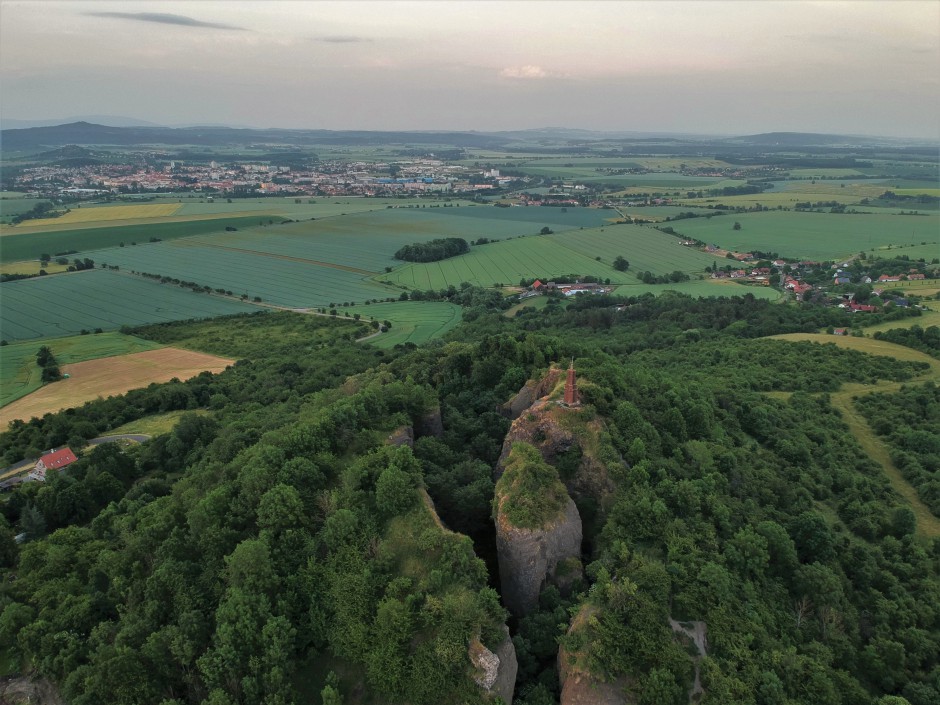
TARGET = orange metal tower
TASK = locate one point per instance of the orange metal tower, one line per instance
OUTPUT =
(571, 387)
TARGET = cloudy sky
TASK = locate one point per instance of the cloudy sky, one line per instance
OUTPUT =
(696, 67)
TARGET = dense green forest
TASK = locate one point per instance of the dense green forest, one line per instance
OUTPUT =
(276, 548)
(433, 250)
(910, 422)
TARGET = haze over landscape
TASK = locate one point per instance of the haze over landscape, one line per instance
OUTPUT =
(469, 353)
(690, 67)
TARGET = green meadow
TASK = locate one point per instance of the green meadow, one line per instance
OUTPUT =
(412, 321)
(19, 374)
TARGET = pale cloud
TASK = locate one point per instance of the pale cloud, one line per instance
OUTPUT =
(528, 71)
(163, 18)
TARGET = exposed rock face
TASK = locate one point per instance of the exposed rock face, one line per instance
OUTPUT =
(401, 436)
(537, 428)
(532, 391)
(496, 671)
(430, 424)
(578, 686)
(529, 557)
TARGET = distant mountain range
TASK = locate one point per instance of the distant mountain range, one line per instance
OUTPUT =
(84, 132)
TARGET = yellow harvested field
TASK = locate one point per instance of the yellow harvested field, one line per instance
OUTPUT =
(94, 215)
(31, 267)
(109, 376)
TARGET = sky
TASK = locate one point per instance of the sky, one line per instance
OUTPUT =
(701, 66)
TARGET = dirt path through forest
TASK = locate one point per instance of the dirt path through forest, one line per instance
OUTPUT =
(844, 401)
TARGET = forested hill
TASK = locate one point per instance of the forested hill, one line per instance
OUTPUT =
(277, 546)
(89, 133)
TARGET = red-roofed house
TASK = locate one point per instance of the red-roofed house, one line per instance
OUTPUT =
(536, 285)
(56, 460)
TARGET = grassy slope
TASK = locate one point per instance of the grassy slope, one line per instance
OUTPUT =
(412, 321)
(843, 400)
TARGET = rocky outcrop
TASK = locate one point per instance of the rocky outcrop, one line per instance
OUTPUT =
(539, 428)
(578, 685)
(530, 393)
(431, 424)
(401, 436)
(496, 670)
(528, 558)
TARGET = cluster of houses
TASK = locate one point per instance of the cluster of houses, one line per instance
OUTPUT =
(418, 175)
(539, 288)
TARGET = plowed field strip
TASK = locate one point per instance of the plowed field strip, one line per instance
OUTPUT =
(331, 265)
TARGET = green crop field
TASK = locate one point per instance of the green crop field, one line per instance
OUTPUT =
(412, 321)
(583, 252)
(647, 249)
(277, 279)
(309, 207)
(811, 235)
(368, 241)
(503, 263)
(10, 207)
(917, 251)
(15, 246)
(65, 304)
(701, 287)
(19, 374)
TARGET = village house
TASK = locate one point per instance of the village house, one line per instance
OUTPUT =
(54, 460)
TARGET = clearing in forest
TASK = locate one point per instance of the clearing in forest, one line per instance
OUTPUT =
(927, 524)
(110, 376)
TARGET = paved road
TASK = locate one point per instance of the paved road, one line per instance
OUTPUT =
(136, 437)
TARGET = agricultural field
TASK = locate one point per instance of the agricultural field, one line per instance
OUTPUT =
(111, 376)
(412, 321)
(15, 204)
(584, 252)
(701, 287)
(66, 304)
(367, 242)
(647, 249)
(788, 193)
(503, 263)
(19, 374)
(282, 280)
(309, 207)
(32, 266)
(20, 244)
(103, 213)
(818, 236)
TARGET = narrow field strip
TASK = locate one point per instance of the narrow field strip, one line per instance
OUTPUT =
(318, 263)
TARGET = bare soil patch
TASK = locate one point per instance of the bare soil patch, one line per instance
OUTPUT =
(109, 376)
